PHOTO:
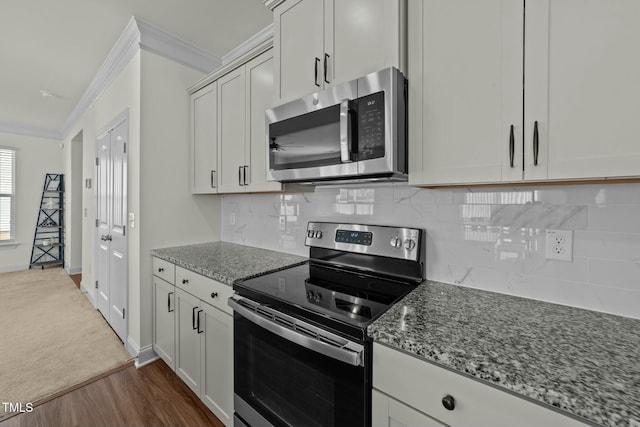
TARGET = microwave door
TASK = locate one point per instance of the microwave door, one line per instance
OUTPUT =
(310, 146)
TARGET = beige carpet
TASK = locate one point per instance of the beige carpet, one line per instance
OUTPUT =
(51, 337)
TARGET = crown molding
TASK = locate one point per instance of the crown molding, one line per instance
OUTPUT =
(30, 131)
(121, 53)
(272, 4)
(158, 41)
(138, 34)
(258, 38)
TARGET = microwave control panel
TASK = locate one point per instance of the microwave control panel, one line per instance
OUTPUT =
(371, 126)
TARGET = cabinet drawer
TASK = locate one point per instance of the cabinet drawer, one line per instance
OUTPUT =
(208, 290)
(423, 386)
(164, 270)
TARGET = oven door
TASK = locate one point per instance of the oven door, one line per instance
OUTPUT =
(286, 376)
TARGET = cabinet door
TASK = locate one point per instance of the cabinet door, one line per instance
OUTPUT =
(231, 130)
(298, 40)
(259, 92)
(582, 87)
(364, 36)
(388, 412)
(465, 86)
(164, 341)
(217, 358)
(188, 340)
(204, 137)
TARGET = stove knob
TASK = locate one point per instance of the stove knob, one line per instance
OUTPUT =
(318, 234)
(409, 244)
(396, 242)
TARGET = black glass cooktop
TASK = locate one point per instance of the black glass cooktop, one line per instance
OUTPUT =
(327, 295)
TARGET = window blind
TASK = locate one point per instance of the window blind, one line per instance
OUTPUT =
(7, 194)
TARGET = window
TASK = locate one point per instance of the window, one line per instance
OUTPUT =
(7, 194)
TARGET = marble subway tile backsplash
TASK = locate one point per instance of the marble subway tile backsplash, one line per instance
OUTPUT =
(490, 239)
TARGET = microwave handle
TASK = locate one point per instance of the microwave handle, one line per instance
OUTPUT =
(346, 145)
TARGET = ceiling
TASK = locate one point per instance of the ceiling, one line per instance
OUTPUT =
(59, 46)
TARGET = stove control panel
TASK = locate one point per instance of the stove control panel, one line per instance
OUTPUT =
(394, 242)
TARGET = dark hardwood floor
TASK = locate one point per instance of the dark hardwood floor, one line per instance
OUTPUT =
(149, 396)
(77, 278)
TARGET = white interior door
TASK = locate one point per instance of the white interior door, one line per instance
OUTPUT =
(111, 220)
(117, 232)
(103, 155)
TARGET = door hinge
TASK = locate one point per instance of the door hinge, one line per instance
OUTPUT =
(96, 222)
(123, 311)
(125, 147)
(96, 284)
(97, 161)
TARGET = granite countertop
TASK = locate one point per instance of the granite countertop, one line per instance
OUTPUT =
(583, 362)
(227, 262)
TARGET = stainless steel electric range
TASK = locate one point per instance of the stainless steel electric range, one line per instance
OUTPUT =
(302, 356)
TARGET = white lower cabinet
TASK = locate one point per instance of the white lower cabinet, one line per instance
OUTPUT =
(188, 341)
(217, 374)
(412, 392)
(388, 412)
(164, 337)
(193, 334)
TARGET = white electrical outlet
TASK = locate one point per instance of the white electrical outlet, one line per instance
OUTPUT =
(559, 245)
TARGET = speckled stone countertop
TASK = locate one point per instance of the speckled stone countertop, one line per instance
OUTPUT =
(583, 362)
(227, 262)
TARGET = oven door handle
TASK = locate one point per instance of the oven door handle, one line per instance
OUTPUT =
(346, 145)
(348, 352)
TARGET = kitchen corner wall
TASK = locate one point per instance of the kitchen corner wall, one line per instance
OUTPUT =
(486, 238)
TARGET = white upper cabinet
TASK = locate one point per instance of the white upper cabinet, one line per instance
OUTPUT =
(259, 98)
(299, 40)
(229, 149)
(204, 140)
(319, 43)
(582, 86)
(231, 130)
(465, 91)
(473, 117)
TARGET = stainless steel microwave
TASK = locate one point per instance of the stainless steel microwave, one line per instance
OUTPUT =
(355, 131)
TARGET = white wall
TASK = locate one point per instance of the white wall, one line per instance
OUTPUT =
(73, 175)
(487, 238)
(123, 94)
(169, 215)
(35, 157)
(153, 90)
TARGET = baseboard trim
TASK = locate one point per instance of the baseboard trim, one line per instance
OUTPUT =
(73, 270)
(144, 355)
(88, 294)
(12, 268)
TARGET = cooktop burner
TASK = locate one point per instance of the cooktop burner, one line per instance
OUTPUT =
(355, 273)
(346, 296)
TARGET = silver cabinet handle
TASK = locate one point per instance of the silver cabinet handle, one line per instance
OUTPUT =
(213, 173)
(245, 175)
(340, 348)
(512, 146)
(169, 310)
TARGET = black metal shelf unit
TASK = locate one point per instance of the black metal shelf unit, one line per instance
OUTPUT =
(48, 239)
